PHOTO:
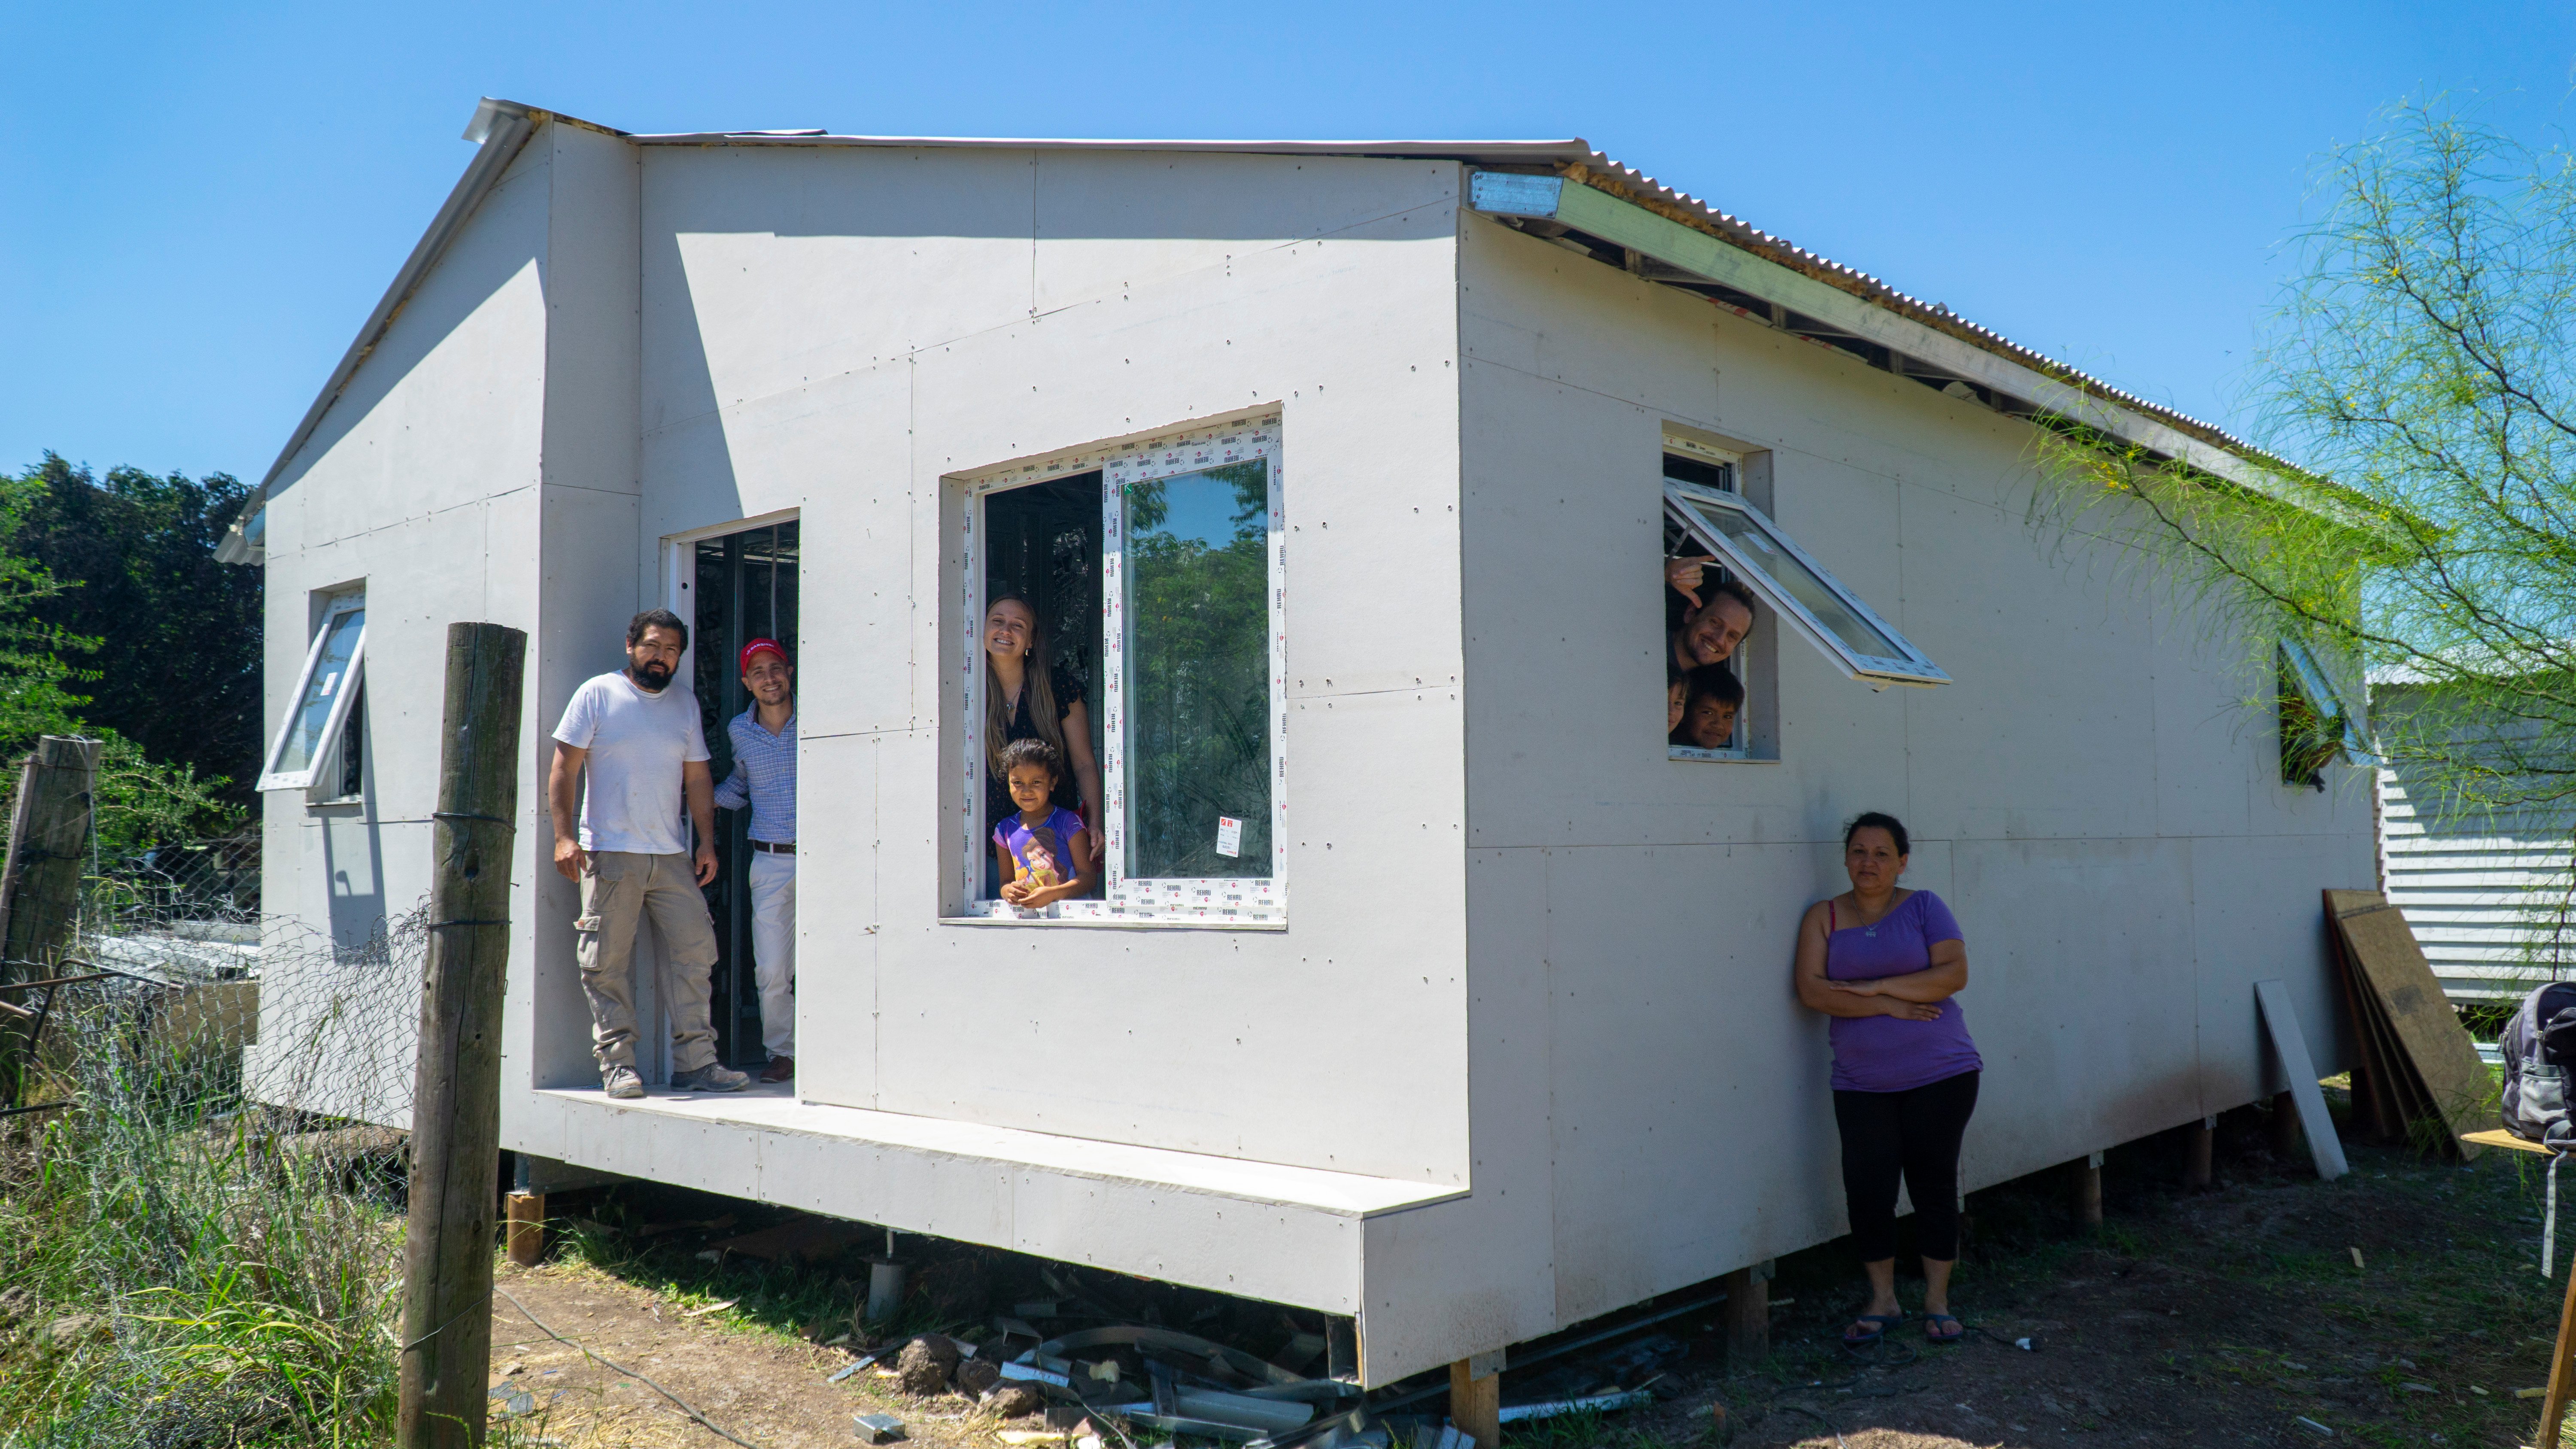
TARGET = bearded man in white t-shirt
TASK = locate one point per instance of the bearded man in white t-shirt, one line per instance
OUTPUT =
(639, 740)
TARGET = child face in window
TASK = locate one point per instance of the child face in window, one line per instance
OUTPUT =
(1676, 697)
(1711, 725)
(1031, 787)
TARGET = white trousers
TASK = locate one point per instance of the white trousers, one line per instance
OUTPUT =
(773, 948)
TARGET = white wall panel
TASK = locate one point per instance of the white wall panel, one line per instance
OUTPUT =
(2074, 795)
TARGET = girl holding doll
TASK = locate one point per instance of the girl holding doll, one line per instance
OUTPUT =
(1042, 851)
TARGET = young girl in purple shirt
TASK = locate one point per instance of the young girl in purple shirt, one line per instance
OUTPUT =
(1885, 964)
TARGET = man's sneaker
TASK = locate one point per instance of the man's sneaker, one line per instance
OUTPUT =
(622, 1083)
(713, 1077)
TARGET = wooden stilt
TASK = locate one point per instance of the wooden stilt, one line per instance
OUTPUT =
(525, 1237)
(1476, 1402)
(1748, 1318)
(2200, 1152)
(2085, 1184)
(2285, 1127)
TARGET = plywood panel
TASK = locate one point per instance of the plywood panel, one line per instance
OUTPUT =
(2383, 953)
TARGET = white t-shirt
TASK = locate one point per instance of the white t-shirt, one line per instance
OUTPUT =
(637, 743)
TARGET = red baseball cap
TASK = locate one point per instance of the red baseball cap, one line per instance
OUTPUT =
(757, 646)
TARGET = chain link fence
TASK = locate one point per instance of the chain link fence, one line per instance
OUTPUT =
(201, 1188)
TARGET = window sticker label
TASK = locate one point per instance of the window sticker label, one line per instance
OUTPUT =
(1229, 836)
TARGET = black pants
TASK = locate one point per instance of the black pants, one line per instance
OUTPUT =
(1915, 1132)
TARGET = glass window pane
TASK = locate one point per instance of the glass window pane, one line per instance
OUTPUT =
(330, 676)
(1801, 583)
(1198, 674)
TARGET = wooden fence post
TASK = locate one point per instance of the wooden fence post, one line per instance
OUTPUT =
(456, 1096)
(49, 850)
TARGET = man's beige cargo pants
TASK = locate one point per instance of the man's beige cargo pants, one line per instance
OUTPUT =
(620, 889)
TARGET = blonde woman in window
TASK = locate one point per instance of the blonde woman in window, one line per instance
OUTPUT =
(1027, 698)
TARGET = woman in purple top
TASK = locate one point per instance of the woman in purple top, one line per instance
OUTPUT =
(1885, 963)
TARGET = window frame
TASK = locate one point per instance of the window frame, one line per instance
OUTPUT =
(1219, 902)
(348, 762)
(2297, 666)
(1692, 450)
(325, 753)
(1683, 502)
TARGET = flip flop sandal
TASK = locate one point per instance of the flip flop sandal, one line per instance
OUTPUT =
(1932, 1327)
(1885, 1321)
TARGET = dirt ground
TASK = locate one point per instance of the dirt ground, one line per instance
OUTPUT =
(765, 1387)
(2400, 1305)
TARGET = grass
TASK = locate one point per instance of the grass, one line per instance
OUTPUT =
(183, 1267)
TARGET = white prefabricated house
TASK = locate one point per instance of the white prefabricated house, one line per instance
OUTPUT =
(1347, 473)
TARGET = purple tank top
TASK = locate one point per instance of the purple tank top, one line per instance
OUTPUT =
(1883, 1053)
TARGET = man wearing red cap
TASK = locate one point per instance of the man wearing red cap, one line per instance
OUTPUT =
(764, 778)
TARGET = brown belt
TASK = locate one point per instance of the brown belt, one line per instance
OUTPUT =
(775, 847)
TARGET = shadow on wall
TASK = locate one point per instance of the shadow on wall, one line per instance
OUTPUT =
(800, 196)
(485, 258)
(353, 861)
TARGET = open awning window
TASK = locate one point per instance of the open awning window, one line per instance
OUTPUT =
(1812, 601)
(321, 705)
(2317, 725)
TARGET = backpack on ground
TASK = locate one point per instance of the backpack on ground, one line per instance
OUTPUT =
(2539, 1050)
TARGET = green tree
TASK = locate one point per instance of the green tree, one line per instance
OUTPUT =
(2422, 373)
(176, 665)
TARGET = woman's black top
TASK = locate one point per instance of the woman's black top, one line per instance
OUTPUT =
(1068, 790)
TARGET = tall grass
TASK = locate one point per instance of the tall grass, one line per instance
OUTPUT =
(185, 1266)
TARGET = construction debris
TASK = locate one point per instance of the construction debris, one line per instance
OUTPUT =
(1596, 1404)
(925, 1364)
(878, 1428)
(1014, 1401)
(2419, 1073)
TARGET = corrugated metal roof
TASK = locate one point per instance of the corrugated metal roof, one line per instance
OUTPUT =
(1631, 184)
(1572, 158)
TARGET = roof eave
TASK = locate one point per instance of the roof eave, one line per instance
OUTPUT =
(1671, 238)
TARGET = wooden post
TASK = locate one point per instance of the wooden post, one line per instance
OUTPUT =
(2084, 1177)
(2285, 1127)
(49, 848)
(456, 1099)
(2562, 1368)
(1748, 1318)
(525, 1237)
(1476, 1400)
(2200, 1153)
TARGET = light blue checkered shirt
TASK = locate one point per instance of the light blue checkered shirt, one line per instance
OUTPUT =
(764, 776)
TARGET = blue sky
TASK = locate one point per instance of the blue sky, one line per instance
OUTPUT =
(200, 203)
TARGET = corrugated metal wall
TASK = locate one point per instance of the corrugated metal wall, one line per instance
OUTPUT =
(2481, 890)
